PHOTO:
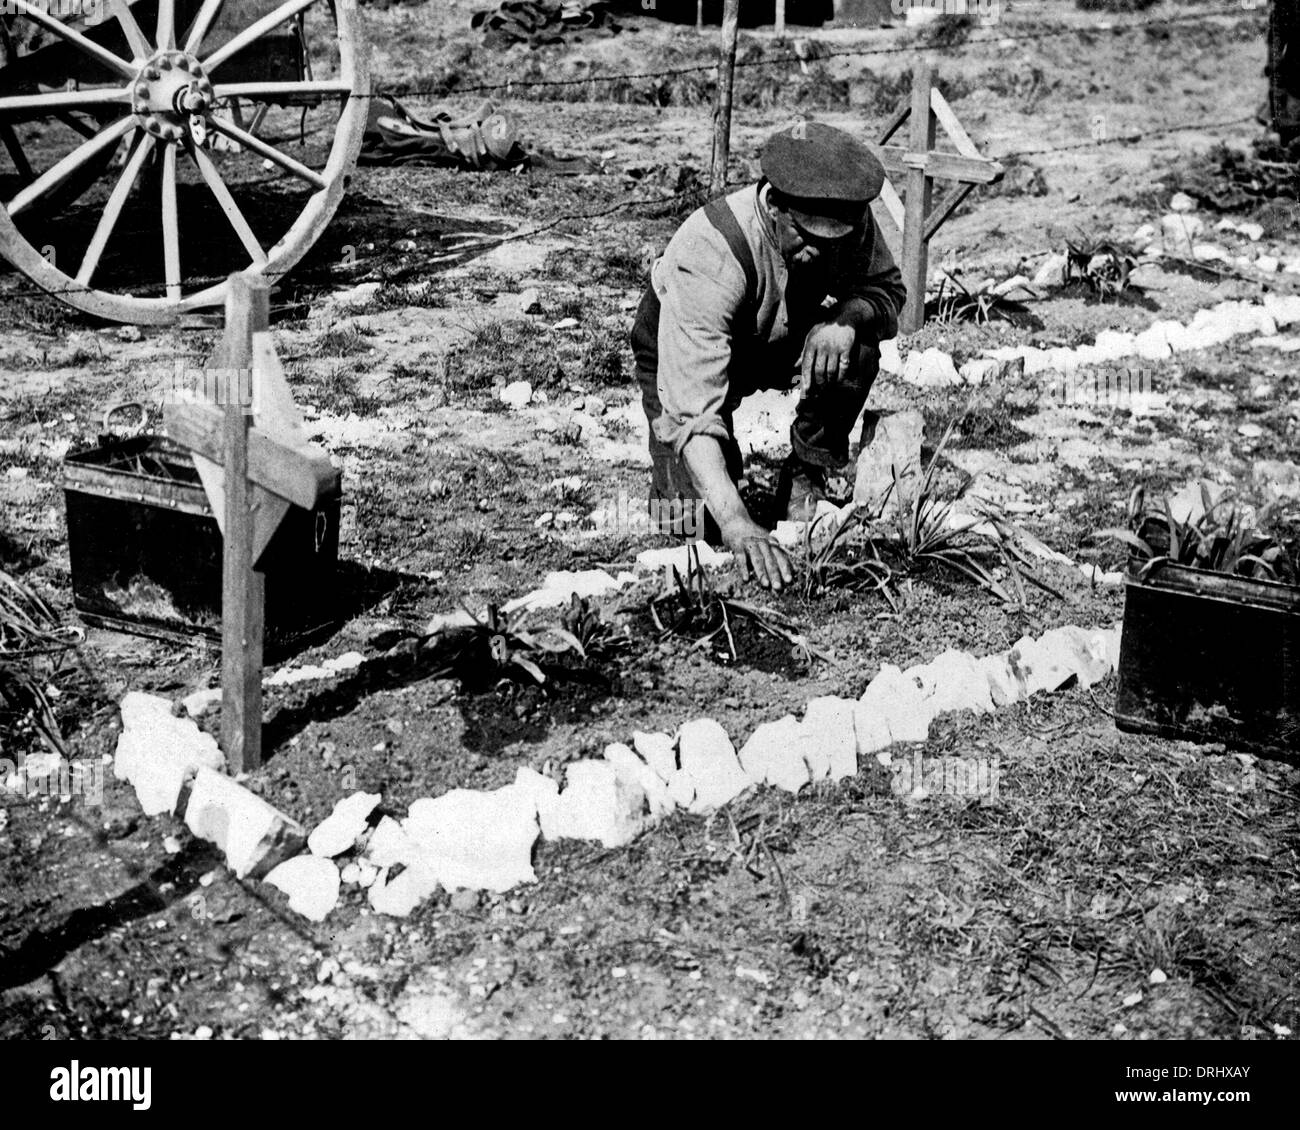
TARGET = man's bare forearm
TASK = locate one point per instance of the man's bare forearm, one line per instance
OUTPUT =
(708, 468)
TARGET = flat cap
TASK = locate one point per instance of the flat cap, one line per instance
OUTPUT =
(822, 172)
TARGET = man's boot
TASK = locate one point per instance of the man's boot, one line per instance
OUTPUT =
(799, 487)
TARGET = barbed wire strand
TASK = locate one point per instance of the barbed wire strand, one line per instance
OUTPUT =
(451, 90)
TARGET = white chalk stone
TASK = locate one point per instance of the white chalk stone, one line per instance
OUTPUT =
(828, 727)
(1097, 576)
(1112, 345)
(312, 884)
(517, 394)
(561, 587)
(1210, 253)
(629, 767)
(953, 680)
(1039, 668)
(707, 755)
(870, 729)
(478, 841)
(401, 894)
(658, 750)
(340, 829)
(679, 557)
(253, 835)
(389, 844)
(1152, 344)
(1004, 687)
(287, 676)
(930, 368)
(596, 805)
(898, 702)
(1178, 233)
(1269, 264)
(158, 752)
(1078, 651)
(681, 788)
(774, 755)
(545, 795)
(359, 873)
(359, 295)
(979, 370)
(893, 447)
(1284, 309)
(200, 702)
(890, 359)
(1052, 272)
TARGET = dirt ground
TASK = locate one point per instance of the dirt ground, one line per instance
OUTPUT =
(847, 912)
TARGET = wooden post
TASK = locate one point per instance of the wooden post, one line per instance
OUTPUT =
(243, 589)
(917, 203)
(916, 166)
(699, 16)
(722, 111)
(780, 17)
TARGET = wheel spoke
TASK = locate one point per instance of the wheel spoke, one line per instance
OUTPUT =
(254, 32)
(89, 47)
(170, 226)
(60, 172)
(140, 49)
(270, 91)
(113, 208)
(64, 100)
(218, 187)
(166, 34)
(16, 153)
(202, 22)
(260, 147)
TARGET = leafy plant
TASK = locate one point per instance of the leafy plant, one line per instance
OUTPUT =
(923, 531)
(694, 610)
(30, 631)
(981, 305)
(1219, 539)
(595, 637)
(1101, 265)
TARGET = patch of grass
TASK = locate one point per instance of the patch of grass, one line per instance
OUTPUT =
(343, 341)
(500, 352)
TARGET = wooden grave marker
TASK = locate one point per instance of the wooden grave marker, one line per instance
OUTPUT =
(917, 166)
(264, 469)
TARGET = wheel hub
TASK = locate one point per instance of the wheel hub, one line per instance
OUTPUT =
(170, 90)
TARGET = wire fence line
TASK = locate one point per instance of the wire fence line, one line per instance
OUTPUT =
(700, 194)
(1236, 13)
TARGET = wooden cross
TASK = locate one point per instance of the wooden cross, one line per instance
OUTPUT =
(917, 166)
(261, 477)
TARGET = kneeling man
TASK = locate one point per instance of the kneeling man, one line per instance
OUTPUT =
(784, 280)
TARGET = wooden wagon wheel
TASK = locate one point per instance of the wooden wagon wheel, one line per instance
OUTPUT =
(173, 104)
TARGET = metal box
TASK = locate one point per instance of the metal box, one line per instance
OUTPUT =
(1210, 657)
(146, 550)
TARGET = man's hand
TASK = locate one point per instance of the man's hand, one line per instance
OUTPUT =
(757, 553)
(827, 354)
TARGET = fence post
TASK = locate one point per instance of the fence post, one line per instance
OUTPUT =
(917, 204)
(722, 110)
